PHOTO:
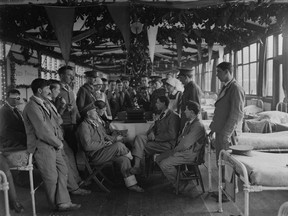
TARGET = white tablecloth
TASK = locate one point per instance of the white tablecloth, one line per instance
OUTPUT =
(133, 128)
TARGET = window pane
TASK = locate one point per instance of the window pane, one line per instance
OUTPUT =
(281, 95)
(280, 44)
(270, 46)
(227, 57)
(269, 80)
(239, 75)
(246, 78)
(239, 56)
(253, 78)
(253, 52)
(245, 55)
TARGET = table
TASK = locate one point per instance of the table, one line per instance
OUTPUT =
(133, 128)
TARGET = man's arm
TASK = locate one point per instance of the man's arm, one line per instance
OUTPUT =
(43, 130)
(236, 113)
(171, 131)
(195, 133)
(87, 140)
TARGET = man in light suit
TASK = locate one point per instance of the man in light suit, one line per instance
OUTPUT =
(189, 144)
(44, 141)
(160, 137)
(191, 91)
(228, 114)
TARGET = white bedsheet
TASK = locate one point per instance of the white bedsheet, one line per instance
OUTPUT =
(266, 169)
(265, 141)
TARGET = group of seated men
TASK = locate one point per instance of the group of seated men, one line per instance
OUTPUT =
(55, 124)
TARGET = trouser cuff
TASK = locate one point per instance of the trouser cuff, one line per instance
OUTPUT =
(130, 181)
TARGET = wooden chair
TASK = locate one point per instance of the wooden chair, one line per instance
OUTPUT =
(4, 186)
(281, 106)
(95, 172)
(190, 171)
(25, 165)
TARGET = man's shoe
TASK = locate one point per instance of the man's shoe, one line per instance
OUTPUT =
(135, 171)
(136, 188)
(81, 192)
(17, 207)
(68, 207)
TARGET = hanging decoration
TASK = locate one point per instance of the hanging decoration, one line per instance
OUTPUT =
(179, 45)
(120, 15)
(152, 35)
(7, 48)
(62, 20)
(136, 27)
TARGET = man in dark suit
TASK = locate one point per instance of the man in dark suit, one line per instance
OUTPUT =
(12, 137)
(188, 145)
(228, 114)
(12, 129)
(160, 137)
(45, 141)
(191, 91)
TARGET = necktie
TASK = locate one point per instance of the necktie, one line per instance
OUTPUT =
(161, 115)
(16, 111)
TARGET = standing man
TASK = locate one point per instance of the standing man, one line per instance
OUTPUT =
(159, 91)
(44, 141)
(228, 114)
(160, 137)
(87, 93)
(191, 91)
(123, 97)
(68, 111)
(104, 88)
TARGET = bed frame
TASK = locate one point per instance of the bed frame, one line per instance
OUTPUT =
(226, 158)
(4, 185)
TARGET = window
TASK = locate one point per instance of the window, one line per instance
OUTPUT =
(247, 70)
(269, 66)
(281, 95)
(280, 44)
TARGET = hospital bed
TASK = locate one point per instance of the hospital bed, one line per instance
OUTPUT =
(260, 171)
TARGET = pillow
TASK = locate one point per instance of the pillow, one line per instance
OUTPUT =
(275, 117)
(17, 158)
(251, 110)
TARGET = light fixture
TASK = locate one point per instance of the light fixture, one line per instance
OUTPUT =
(136, 27)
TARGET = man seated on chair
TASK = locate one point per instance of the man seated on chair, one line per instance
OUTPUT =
(187, 147)
(161, 137)
(12, 137)
(100, 147)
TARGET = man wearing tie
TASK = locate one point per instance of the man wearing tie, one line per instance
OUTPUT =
(44, 140)
(228, 114)
(189, 143)
(160, 138)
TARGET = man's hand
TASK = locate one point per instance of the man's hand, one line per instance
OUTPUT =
(119, 138)
(151, 136)
(61, 146)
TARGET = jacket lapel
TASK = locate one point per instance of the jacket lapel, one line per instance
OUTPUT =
(223, 93)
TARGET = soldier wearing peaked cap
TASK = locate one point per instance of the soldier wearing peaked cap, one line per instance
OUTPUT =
(191, 91)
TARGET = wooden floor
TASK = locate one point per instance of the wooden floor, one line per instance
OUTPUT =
(158, 199)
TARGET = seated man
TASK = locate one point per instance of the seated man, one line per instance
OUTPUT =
(101, 147)
(188, 145)
(160, 138)
(12, 137)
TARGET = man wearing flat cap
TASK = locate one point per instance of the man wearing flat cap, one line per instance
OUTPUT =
(100, 147)
(191, 91)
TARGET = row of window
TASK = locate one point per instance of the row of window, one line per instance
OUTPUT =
(247, 67)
